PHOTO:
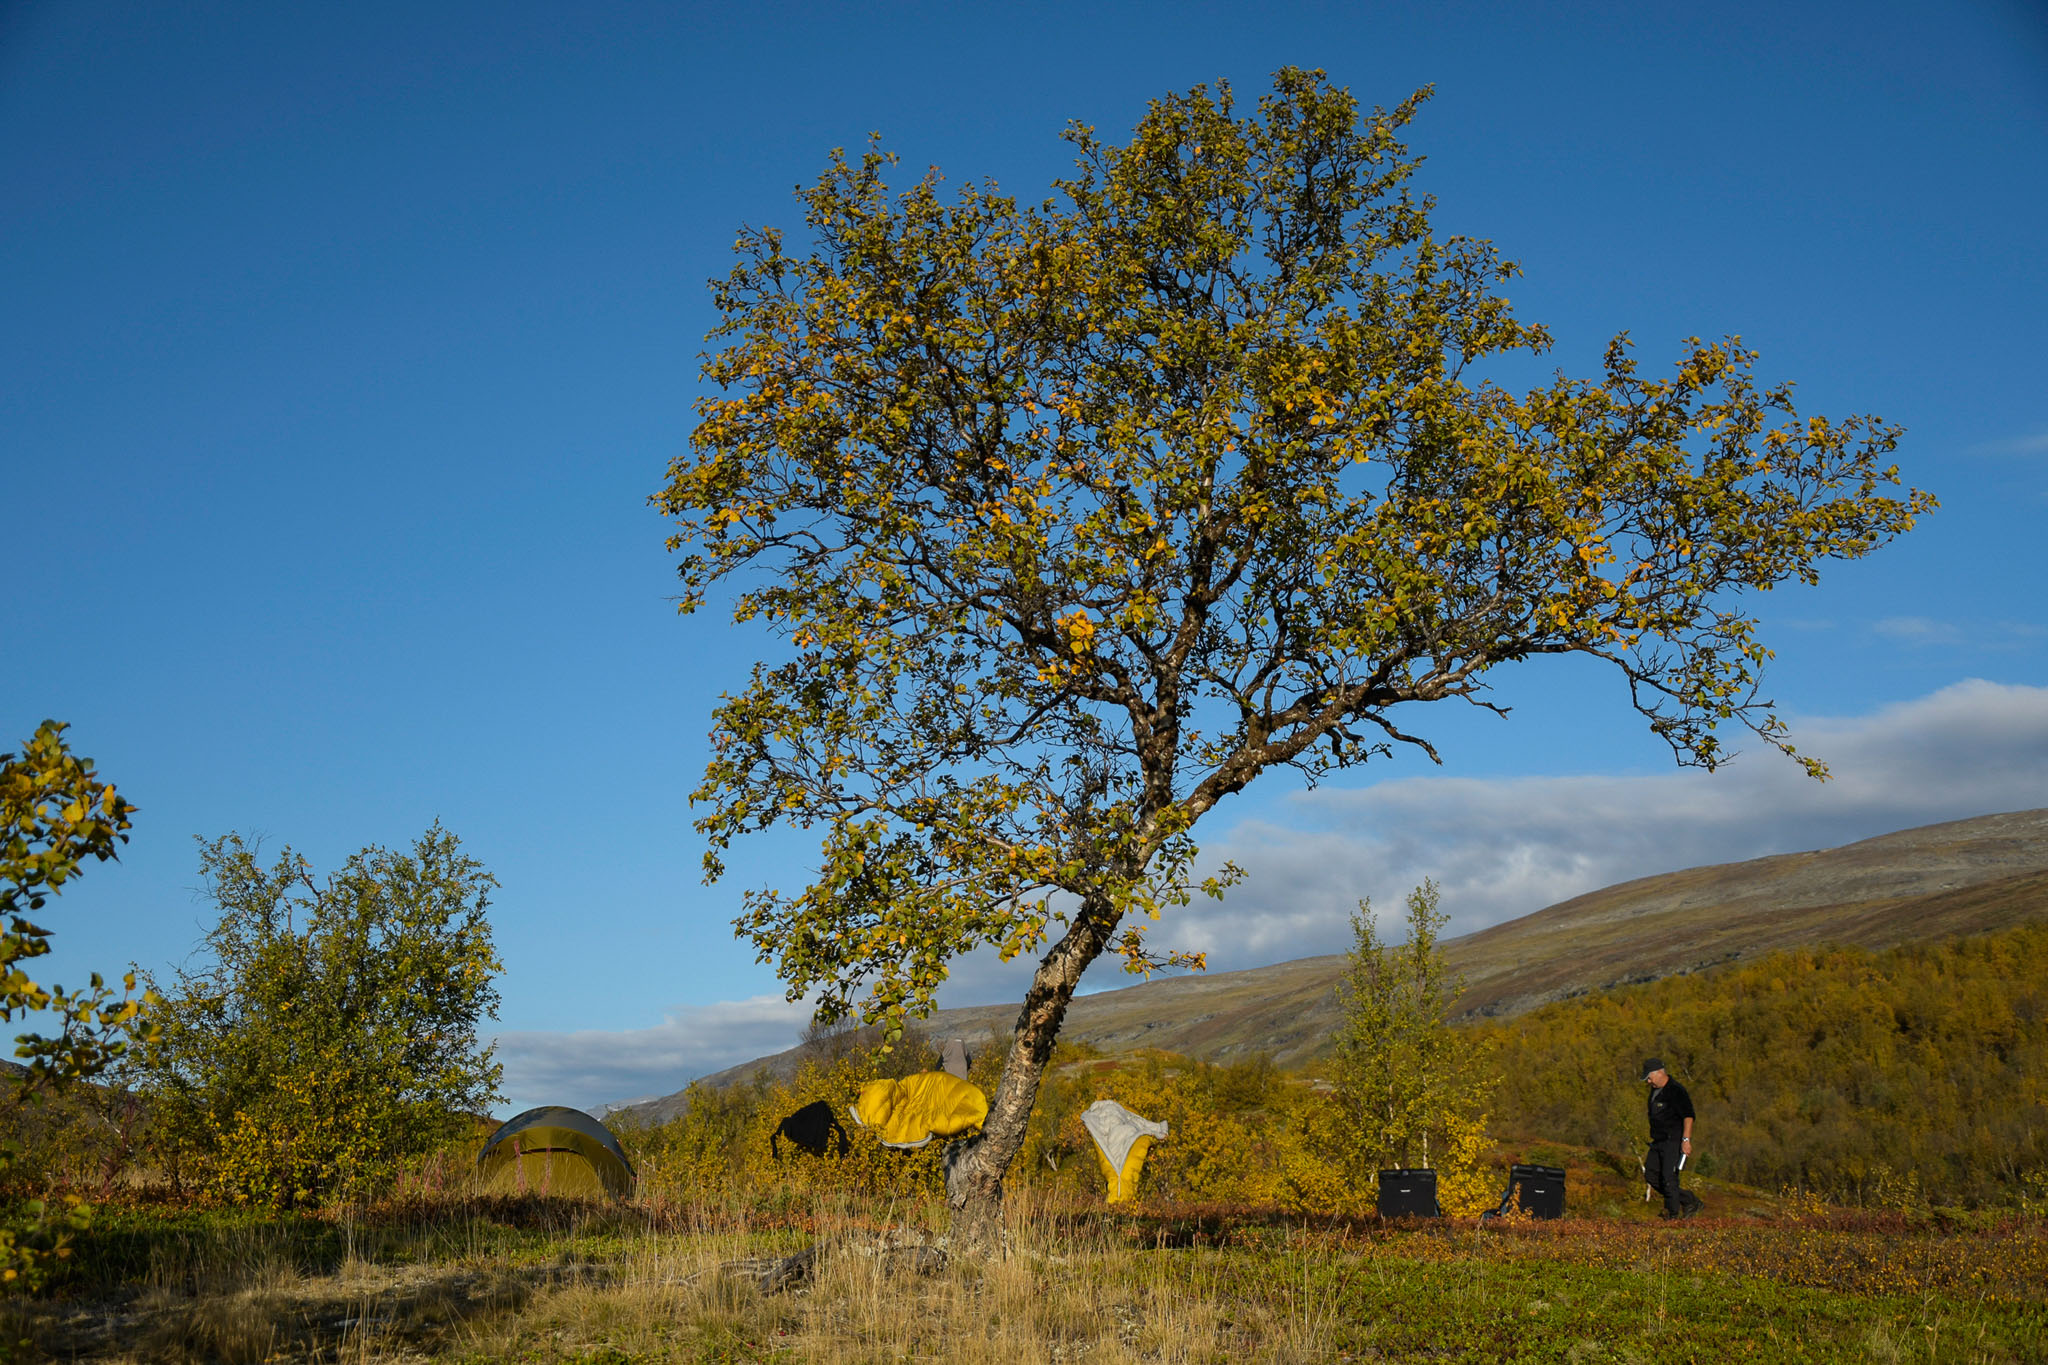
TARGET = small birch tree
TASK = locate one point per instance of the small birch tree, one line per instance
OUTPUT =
(1413, 1090)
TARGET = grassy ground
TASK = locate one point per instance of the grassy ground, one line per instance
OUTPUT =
(474, 1280)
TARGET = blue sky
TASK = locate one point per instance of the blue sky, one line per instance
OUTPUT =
(343, 345)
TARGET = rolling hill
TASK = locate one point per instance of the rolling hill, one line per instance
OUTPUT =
(1916, 885)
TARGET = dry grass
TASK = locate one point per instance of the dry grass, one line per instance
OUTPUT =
(1088, 1294)
(552, 1281)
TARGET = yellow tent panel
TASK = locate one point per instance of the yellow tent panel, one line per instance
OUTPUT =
(916, 1109)
(554, 1150)
(548, 1171)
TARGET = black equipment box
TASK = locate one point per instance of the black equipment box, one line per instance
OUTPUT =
(1538, 1190)
(1409, 1194)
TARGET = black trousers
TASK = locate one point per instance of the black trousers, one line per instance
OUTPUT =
(1660, 1168)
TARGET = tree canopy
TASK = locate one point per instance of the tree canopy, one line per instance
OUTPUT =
(55, 814)
(1078, 516)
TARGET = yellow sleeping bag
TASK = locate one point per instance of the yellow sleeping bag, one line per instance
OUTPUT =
(1123, 1184)
(1122, 1140)
(916, 1109)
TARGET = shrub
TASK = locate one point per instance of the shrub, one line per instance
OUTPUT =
(332, 1035)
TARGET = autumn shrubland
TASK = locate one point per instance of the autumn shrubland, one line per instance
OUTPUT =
(1911, 1079)
(1249, 1241)
(1918, 1075)
(1254, 1235)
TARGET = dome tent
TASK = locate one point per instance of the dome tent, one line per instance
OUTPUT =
(554, 1150)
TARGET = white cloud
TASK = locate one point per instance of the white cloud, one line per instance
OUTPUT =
(1503, 848)
(593, 1067)
(1499, 848)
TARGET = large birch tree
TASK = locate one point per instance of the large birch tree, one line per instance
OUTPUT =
(1077, 517)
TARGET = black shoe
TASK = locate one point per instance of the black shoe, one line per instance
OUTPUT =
(1692, 1205)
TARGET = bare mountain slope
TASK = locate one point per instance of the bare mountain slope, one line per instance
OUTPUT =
(1935, 882)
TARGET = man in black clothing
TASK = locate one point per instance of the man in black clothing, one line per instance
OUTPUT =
(1670, 1140)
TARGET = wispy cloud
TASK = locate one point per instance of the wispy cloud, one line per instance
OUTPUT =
(1925, 632)
(1498, 848)
(2035, 444)
(1919, 630)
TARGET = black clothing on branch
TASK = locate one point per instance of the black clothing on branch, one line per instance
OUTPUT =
(812, 1128)
(1670, 1107)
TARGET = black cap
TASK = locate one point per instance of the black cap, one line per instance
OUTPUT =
(1651, 1064)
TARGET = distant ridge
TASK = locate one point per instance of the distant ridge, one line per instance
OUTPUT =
(1916, 885)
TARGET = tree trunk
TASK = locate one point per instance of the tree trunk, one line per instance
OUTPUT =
(975, 1170)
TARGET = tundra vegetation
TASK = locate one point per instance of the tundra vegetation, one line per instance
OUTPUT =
(1249, 1243)
(1891, 1079)
(1937, 1056)
(1253, 1237)
(1072, 519)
